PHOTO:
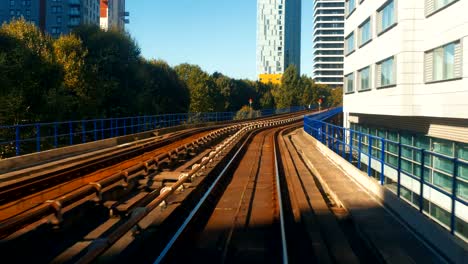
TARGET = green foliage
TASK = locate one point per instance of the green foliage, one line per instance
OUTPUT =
(288, 93)
(92, 73)
(336, 96)
(163, 90)
(28, 72)
(203, 93)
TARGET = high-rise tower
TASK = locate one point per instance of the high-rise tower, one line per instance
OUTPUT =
(328, 41)
(278, 38)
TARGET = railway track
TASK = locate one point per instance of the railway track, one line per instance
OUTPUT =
(237, 194)
(270, 209)
(29, 195)
(135, 182)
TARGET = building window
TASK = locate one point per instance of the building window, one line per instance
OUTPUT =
(55, 30)
(433, 6)
(364, 81)
(349, 43)
(386, 17)
(349, 82)
(12, 2)
(365, 34)
(443, 63)
(350, 7)
(385, 72)
(56, 9)
(59, 20)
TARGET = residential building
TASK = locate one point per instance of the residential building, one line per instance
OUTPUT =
(406, 80)
(29, 9)
(113, 14)
(328, 42)
(278, 38)
(53, 16)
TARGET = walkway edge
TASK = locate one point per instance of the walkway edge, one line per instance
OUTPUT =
(450, 247)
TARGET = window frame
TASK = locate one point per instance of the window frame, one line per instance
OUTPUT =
(428, 13)
(432, 51)
(347, 52)
(346, 83)
(380, 14)
(394, 70)
(348, 13)
(359, 88)
(360, 27)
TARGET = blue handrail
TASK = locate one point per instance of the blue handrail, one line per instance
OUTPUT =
(20, 139)
(349, 144)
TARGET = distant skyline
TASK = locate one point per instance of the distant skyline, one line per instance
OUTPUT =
(217, 35)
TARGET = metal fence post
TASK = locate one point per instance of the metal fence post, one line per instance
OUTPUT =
(70, 126)
(359, 150)
(125, 126)
(95, 130)
(343, 131)
(55, 135)
(17, 140)
(102, 128)
(421, 190)
(454, 195)
(382, 176)
(370, 155)
(138, 124)
(83, 131)
(399, 170)
(111, 128)
(38, 138)
(351, 141)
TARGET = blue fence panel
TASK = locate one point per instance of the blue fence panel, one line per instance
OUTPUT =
(28, 138)
(376, 149)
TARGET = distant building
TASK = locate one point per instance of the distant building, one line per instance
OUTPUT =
(278, 38)
(53, 16)
(29, 9)
(406, 80)
(328, 41)
(113, 14)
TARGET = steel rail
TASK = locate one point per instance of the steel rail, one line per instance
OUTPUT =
(280, 202)
(99, 247)
(55, 207)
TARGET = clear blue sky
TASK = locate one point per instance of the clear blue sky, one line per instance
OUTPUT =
(218, 35)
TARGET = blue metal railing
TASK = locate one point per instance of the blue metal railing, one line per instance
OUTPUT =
(374, 151)
(16, 140)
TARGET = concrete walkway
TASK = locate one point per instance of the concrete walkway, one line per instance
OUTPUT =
(378, 227)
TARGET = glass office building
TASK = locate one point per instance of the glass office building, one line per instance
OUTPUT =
(278, 38)
(328, 41)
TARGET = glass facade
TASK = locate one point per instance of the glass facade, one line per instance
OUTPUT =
(328, 40)
(438, 166)
(278, 35)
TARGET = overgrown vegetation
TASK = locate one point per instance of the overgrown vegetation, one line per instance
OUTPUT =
(96, 74)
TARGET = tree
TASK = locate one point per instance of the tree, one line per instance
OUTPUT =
(289, 92)
(72, 96)
(336, 96)
(112, 65)
(162, 89)
(28, 70)
(202, 88)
